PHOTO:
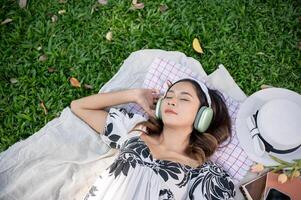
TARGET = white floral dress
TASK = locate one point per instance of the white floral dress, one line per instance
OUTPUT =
(135, 174)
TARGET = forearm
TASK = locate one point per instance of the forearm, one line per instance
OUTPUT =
(102, 100)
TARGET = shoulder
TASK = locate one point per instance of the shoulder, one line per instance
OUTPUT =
(118, 125)
(211, 182)
(121, 111)
(121, 116)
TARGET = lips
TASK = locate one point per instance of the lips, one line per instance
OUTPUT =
(170, 111)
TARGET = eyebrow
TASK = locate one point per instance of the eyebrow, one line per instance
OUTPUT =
(181, 93)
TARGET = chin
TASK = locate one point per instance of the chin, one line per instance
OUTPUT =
(170, 121)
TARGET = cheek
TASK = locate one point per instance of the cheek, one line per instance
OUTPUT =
(188, 113)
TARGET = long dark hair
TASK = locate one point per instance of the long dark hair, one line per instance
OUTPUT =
(201, 145)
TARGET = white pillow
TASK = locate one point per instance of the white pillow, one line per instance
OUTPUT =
(221, 80)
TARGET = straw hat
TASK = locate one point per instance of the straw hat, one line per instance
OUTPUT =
(269, 122)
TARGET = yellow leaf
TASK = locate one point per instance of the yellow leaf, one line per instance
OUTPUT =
(109, 35)
(163, 8)
(6, 21)
(44, 107)
(74, 82)
(264, 86)
(22, 3)
(138, 6)
(43, 58)
(103, 2)
(197, 46)
(61, 12)
(13, 80)
(54, 18)
(87, 86)
(51, 69)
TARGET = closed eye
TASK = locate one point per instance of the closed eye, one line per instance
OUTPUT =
(180, 99)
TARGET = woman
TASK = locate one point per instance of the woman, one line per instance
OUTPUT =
(166, 157)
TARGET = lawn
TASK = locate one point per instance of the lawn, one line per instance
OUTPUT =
(257, 41)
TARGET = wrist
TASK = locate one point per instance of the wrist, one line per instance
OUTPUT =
(133, 94)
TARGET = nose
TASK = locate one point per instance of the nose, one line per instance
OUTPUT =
(171, 102)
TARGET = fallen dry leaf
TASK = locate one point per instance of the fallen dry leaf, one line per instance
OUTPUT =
(109, 35)
(299, 45)
(51, 69)
(6, 21)
(54, 18)
(138, 5)
(87, 86)
(61, 12)
(74, 82)
(62, 1)
(282, 178)
(264, 86)
(103, 2)
(163, 8)
(197, 46)
(43, 58)
(22, 3)
(13, 80)
(44, 107)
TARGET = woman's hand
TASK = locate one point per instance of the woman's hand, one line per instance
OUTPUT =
(147, 99)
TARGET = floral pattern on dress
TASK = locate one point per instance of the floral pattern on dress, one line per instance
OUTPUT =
(214, 182)
(135, 161)
(166, 194)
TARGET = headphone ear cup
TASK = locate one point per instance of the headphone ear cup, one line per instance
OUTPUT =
(158, 108)
(203, 119)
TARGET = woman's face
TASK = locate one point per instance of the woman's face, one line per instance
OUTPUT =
(182, 99)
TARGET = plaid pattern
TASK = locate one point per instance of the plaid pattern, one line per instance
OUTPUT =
(231, 157)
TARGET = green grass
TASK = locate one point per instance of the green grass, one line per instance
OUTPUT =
(257, 41)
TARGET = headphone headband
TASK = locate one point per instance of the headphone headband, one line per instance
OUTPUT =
(204, 88)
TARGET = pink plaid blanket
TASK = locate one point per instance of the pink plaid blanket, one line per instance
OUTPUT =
(231, 157)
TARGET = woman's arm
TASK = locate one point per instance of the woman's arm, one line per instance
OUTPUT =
(91, 108)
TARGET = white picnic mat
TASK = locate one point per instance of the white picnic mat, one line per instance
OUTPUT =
(63, 158)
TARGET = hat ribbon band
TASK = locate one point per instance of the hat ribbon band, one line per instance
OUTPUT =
(268, 147)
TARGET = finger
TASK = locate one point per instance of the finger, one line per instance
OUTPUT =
(169, 83)
(154, 100)
(153, 107)
(155, 91)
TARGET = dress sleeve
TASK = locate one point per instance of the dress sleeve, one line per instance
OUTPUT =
(211, 182)
(118, 124)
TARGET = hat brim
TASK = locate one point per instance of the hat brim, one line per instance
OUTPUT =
(249, 107)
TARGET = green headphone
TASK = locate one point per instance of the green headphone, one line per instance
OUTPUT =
(204, 115)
